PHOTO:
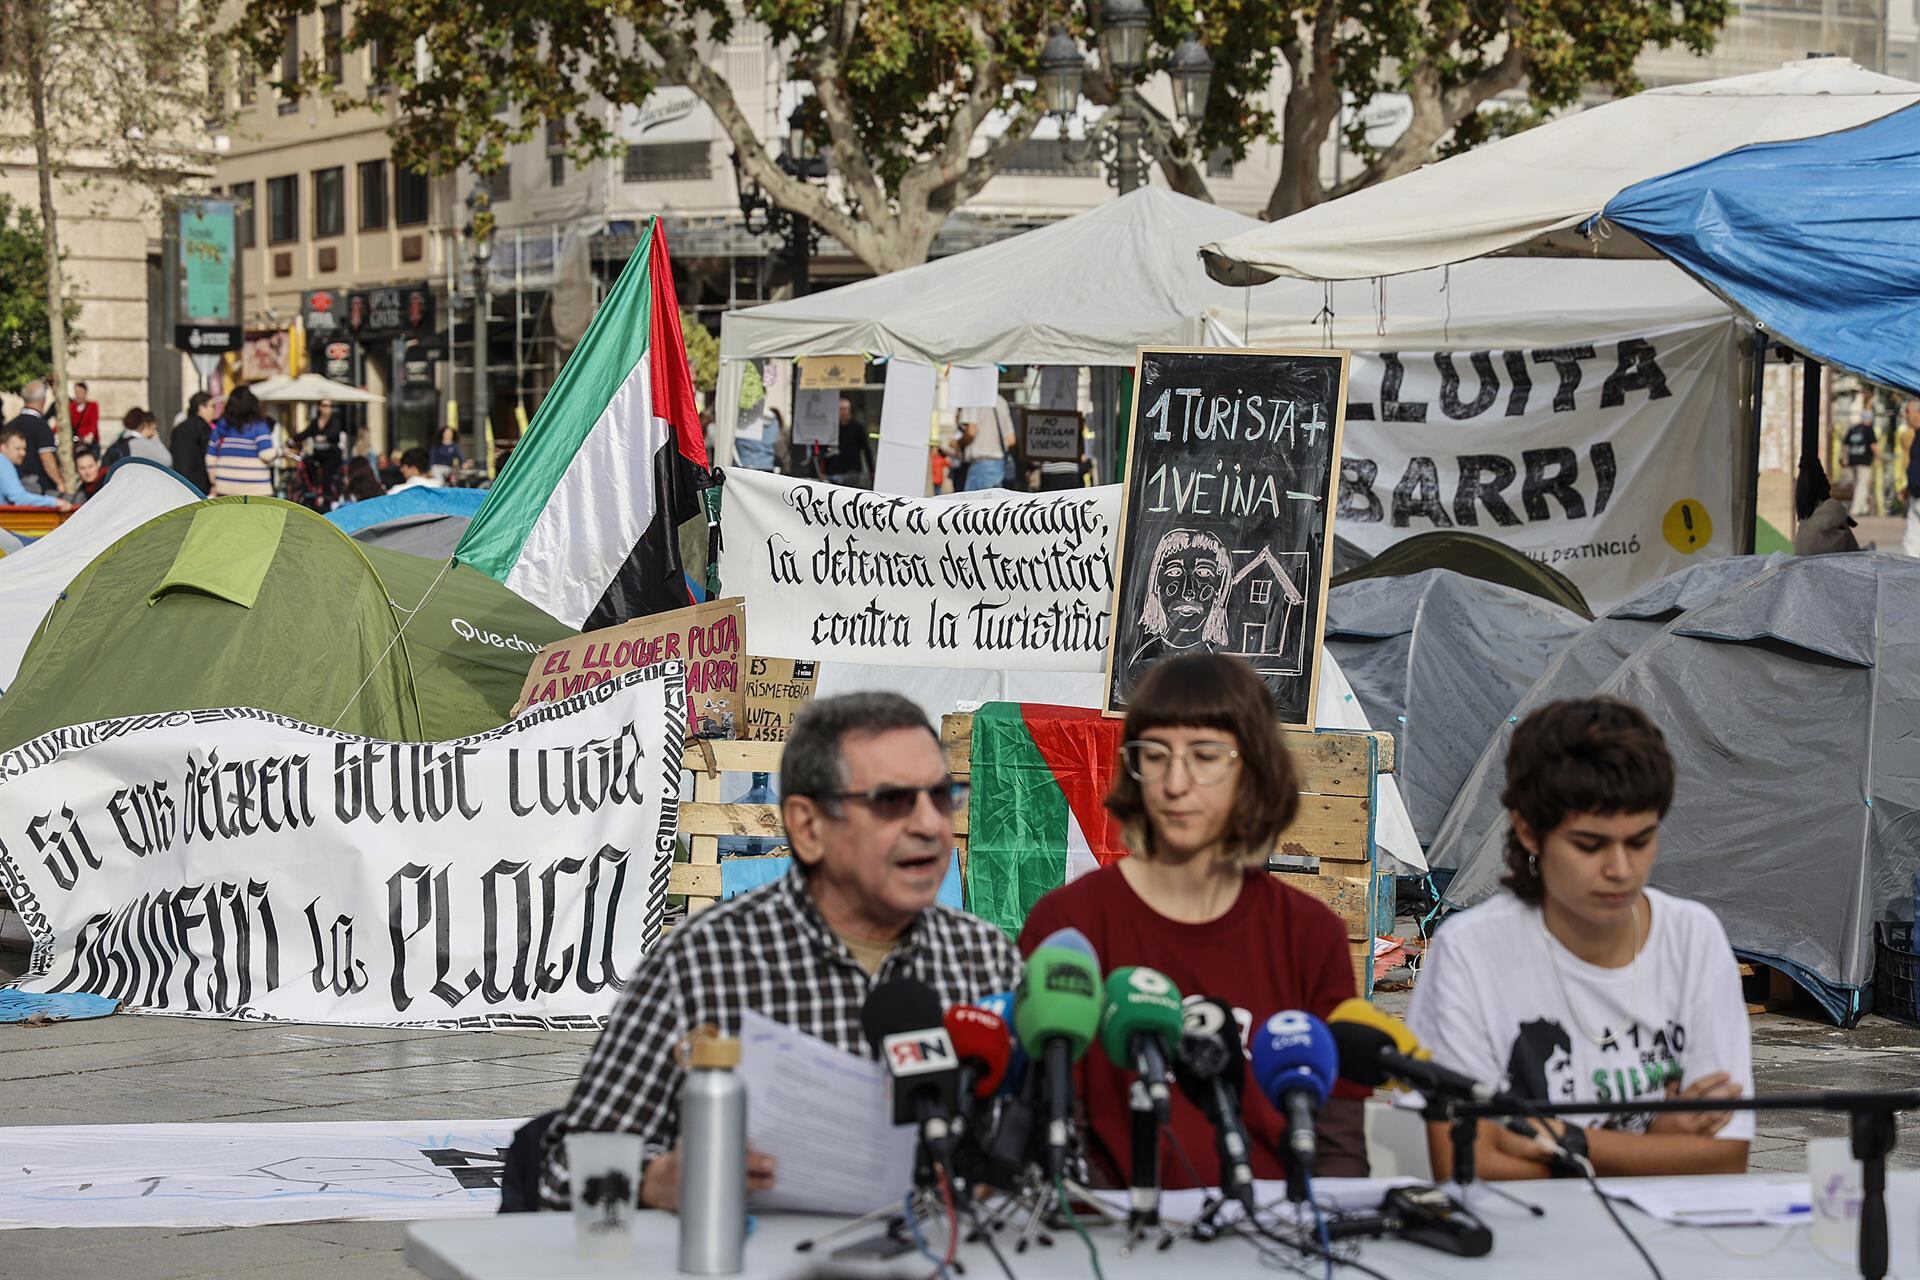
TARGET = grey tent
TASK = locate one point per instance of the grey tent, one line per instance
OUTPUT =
(1439, 659)
(1792, 707)
(1477, 817)
(432, 536)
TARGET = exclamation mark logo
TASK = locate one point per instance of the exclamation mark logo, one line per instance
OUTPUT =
(1688, 528)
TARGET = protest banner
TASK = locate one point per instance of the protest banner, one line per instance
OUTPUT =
(830, 572)
(775, 691)
(235, 863)
(1227, 528)
(705, 638)
(1607, 460)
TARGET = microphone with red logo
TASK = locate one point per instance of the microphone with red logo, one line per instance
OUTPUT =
(981, 1042)
(903, 1023)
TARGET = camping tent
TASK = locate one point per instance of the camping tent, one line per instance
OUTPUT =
(1532, 192)
(33, 578)
(1439, 659)
(415, 500)
(1475, 556)
(433, 537)
(260, 603)
(1791, 706)
(1477, 818)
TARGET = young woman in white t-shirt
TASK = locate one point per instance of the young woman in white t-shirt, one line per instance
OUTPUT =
(1580, 983)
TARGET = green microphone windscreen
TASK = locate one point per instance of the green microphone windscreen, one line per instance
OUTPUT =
(1059, 998)
(1139, 1000)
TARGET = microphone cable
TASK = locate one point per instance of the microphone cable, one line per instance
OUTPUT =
(1606, 1202)
(1066, 1209)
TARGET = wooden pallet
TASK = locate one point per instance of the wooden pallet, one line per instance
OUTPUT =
(1333, 832)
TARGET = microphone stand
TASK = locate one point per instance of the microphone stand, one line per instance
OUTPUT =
(1463, 1132)
(1874, 1135)
(1143, 1187)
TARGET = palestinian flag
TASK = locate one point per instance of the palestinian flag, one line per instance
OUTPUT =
(1037, 817)
(585, 520)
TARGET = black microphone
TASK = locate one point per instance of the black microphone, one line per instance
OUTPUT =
(1369, 1056)
(903, 1021)
(1212, 1072)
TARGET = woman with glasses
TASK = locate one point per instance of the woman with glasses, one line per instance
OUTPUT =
(1206, 791)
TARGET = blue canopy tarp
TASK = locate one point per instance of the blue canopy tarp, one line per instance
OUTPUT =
(1816, 239)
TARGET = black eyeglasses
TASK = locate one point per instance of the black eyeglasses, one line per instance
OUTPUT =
(890, 804)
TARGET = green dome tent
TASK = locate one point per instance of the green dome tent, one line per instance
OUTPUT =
(1476, 556)
(259, 603)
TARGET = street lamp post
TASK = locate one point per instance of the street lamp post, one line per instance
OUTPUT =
(799, 158)
(1124, 46)
(479, 203)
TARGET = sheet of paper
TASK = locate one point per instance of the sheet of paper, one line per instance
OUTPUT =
(1059, 387)
(822, 1115)
(816, 417)
(1715, 1202)
(972, 386)
(906, 428)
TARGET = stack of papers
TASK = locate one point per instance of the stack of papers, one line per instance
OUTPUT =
(1714, 1202)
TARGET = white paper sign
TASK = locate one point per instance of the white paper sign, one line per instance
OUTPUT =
(1605, 460)
(235, 863)
(906, 424)
(816, 417)
(1059, 387)
(1013, 583)
(972, 386)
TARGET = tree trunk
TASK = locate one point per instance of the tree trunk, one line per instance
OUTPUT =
(36, 59)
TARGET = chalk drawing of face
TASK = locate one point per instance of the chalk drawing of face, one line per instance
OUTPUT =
(1191, 574)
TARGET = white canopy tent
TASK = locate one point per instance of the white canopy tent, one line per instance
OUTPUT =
(311, 388)
(1531, 193)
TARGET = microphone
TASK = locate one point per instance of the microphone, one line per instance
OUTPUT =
(1141, 1028)
(903, 1023)
(1212, 1071)
(1001, 1004)
(1294, 1063)
(1057, 1011)
(1376, 1048)
(980, 1041)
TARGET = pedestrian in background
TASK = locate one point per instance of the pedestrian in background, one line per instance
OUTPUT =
(849, 460)
(240, 449)
(191, 436)
(92, 476)
(84, 416)
(140, 439)
(362, 483)
(40, 467)
(1860, 446)
(983, 439)
(13, 453)
(446, 457)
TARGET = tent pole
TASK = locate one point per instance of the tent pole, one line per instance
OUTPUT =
(1812, 488)
(1756, 395)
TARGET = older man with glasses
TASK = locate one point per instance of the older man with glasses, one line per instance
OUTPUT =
(868, 805)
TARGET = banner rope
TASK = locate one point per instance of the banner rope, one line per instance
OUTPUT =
(397, 635)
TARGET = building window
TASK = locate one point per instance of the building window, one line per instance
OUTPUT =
(379, 62)
(243, 193)
(1045, 157)
(557, 150)
(668, 161)
(409, 198)
(499, 184)
(283, 209)
(290, 69)
(329, 202)
(373, 194)
(557, 169)
(332, 26)
(1261, 591)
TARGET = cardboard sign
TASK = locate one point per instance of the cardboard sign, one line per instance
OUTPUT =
(1050, 435)
(832, 373)
(706, 638)
(1226, 526)
(776, 690)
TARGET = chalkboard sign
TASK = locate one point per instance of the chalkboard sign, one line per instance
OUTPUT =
(1226, 536)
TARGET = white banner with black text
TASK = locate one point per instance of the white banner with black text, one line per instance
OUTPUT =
(239, 864)
(1610, 461)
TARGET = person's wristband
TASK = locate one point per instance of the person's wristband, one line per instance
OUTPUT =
(1571, 1160)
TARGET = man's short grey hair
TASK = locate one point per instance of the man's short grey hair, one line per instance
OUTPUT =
(813, 765)
(34, 393)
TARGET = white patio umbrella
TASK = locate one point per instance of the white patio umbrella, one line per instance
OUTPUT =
(311, 388)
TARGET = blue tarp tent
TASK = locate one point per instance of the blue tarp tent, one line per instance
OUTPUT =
(1816, 239)
(403, 504)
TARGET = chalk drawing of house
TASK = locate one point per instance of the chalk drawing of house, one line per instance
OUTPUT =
(1266, 608)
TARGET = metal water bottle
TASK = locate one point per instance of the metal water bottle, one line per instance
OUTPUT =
(713, 1160)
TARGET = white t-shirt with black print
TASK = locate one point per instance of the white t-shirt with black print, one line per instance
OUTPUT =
(1500, 999)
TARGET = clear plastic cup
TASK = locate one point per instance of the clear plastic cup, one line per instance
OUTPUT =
(1835, 1183)
(605, 1169)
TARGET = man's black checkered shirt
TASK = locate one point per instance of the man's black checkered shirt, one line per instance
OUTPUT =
(769, 951)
